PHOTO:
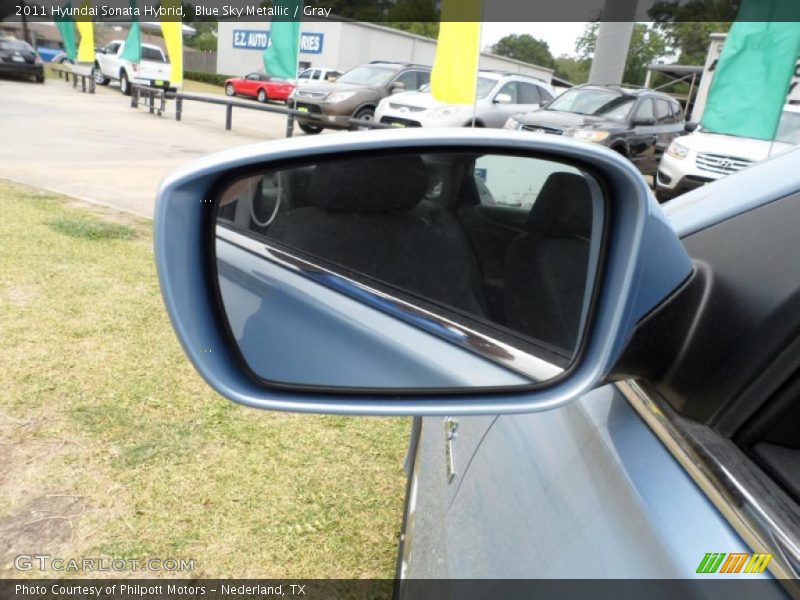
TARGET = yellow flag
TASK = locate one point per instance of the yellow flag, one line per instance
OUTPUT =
(173, 38)
(455, 67)
(86, 29)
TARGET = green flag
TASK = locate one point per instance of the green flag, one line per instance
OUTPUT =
(133, 43)
(755, 68)
(66, 26)
(281, 54)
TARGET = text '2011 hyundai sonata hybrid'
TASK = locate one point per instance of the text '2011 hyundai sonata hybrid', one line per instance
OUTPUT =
(591, 375)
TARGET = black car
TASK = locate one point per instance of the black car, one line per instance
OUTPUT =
(639, 124)
(19, 58)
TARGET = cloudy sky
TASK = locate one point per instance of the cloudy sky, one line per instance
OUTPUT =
(560, 36)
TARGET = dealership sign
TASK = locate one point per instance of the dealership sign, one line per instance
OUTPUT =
(254, 39)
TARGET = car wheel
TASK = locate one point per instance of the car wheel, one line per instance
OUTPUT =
(310, 129)
(40, 78)
(262, 95)
(662, 197)
(229, 90)
(124, 84)
(99, 78)
(365, 114)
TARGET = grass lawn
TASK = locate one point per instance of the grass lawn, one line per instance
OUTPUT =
(114, 447)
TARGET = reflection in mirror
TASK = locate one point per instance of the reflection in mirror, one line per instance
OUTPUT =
(409, 271)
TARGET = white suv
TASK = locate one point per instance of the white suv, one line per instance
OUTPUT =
(702, 157)
(498, 95)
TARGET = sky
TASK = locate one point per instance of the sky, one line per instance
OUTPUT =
(560, 36)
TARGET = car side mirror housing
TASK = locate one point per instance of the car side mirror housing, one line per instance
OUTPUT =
(503, 99)
(643, 121)
(327, 275)
(398, 86)
(690, 126)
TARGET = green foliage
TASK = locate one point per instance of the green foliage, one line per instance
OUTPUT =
(575, 70)
(212, 78)
(526, 48)
(90, 229)
(687, 26)
(648, 45)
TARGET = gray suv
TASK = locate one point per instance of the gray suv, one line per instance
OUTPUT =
(355, 94)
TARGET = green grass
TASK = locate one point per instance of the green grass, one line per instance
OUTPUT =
(99, 403)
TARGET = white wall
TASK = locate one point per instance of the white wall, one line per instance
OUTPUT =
(349, 44)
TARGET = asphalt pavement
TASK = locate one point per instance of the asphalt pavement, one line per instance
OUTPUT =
(97, 148)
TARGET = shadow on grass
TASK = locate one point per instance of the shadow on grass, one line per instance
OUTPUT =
(90, 229)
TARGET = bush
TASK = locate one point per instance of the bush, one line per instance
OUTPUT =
(211, 78)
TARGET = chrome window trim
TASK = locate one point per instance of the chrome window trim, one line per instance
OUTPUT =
(494, 350)
(760, 511)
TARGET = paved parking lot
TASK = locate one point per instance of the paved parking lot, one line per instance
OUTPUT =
(98, 148)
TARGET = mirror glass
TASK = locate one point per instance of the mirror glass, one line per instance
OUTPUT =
(408, 270)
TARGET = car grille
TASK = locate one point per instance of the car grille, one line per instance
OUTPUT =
(721, 163)
(406, 106)
(541, 129)
(399, 121)
(310, 95)
(312, 108)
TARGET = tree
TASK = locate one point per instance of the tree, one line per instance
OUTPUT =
(687, 26)
(574, 70)
(526, 48)
(648, 45)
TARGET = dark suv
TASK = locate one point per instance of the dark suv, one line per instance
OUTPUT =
(331, 104)
(639, 124)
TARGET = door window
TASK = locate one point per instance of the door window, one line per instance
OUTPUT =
(529, 93)
(511, 89)
(663, 113)
(408, 79)
(645, 110)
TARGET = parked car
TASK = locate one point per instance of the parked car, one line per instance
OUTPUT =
(639, 124)
(498, 96)
(261, 86)
(591, 376)
(153, 70)
(19, 58)
(701, 157)
(318, 74)
(356, 94)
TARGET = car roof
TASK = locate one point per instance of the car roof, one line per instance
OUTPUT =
(625, 90)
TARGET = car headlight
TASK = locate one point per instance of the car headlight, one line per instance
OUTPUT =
(339, 96)
(678, 151)
(443, 111)
(512, 123)
(587, 135)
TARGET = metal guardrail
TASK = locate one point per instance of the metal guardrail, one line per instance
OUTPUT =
(66, 73)
(148, 95)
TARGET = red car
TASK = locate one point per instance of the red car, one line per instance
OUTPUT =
(261, 86)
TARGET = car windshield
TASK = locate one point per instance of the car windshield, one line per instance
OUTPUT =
(15, 45)
(485, 85)
(599, 103)
(367, 75)
(789, 128)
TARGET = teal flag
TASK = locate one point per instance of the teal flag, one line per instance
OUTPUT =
(281, 54)
(133, 43)
(66, 27)
(755, 69)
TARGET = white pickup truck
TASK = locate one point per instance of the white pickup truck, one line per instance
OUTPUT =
(153, 70)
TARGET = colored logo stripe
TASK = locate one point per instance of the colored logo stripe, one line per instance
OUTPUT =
(758, 563)
(713, 562)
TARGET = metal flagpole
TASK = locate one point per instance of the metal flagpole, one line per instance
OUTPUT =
(477, 70)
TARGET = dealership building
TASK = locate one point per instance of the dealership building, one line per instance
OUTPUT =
(342, 45)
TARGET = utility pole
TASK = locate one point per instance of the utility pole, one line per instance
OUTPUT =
(26, 34)
(613, 41)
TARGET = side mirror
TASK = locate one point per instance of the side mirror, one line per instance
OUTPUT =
(323, 276)
(398, 86)
(690, 126)
(643, 121)
(503, 99)
(100, 51)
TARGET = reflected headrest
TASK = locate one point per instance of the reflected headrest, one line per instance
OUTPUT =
(563, 207)
(383, 184)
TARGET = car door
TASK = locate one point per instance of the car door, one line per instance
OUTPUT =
(668, 127)
(249, 85)
(109, 62)
(644, 136)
